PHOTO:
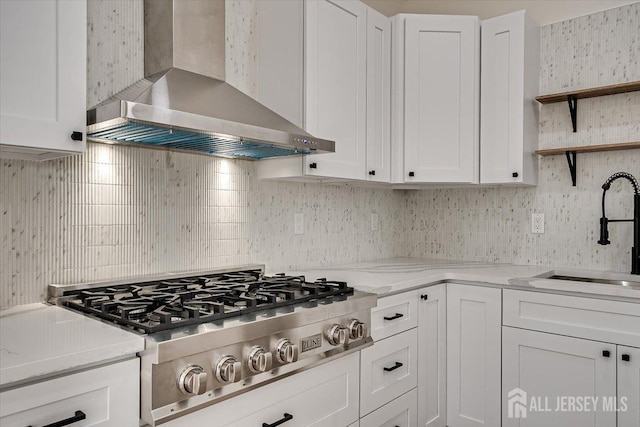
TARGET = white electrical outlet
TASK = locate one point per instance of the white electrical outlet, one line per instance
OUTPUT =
(375, 222)
(298, 223)
(537, 223)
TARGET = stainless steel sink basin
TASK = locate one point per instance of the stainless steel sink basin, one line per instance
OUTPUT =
(626, 283)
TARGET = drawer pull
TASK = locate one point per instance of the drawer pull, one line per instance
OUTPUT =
(626, 357)
(286, 417)
(394, 367)
(79, 416)
(397, 316)
(606, 353)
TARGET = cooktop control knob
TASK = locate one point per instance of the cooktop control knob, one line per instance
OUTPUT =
(259, 359)
(337, 335)
(286, 351)
(357, 329)
(228, 370)
(193, 380)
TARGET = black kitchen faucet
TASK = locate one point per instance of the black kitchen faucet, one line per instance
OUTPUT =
(604, 221)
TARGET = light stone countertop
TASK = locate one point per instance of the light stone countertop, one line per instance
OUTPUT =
(389, 276)
(40, 340)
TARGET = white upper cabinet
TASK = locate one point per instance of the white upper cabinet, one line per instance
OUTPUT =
(279, 57)
(331, 75)
(336, 85)
(43, 78)
(436, 85)
(378, 97)
(509, 112)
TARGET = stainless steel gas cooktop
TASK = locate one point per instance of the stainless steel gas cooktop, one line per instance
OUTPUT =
(213, 335)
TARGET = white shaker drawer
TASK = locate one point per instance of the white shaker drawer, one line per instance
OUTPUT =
(401, 412)
(394, 314)
(107, 396)
(596, 319)
(388, 370)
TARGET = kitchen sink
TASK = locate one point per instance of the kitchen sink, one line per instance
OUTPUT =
(627, 283)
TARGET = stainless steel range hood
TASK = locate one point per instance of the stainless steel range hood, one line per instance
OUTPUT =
(183, 102)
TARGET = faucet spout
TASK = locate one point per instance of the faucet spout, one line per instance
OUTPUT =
(604, 221)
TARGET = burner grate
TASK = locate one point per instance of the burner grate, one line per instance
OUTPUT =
(161, 305)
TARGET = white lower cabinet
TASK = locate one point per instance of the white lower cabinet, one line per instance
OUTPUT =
(551, 369)
(104, 396)
(326, 395)
(388, 369)
(474, 321)
(400, 412)
(629, 386)
(432, 356)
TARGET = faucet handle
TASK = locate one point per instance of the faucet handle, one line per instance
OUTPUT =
(604, 231)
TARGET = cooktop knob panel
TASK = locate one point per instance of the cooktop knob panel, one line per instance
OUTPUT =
(357, 329)
(337, 335)
(228, 370)
(260, 360)
(286, 351)
(193, 380)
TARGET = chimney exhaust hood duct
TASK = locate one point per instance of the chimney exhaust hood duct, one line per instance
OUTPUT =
(184, 104)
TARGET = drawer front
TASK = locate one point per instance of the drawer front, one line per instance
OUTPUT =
(596, 319)
(321, 396)
(107, 396)
(394, 314)
(400, 412)
(388, 370)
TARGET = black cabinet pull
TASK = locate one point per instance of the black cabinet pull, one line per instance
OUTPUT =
(515, 174)
(424, 297)
(286, 417)
(76, 136)
(626, 357)
(372, 172)
(412, 174)
(606, 353)
(397, 316)
(313, 165)
(394, 367)
(79, 416)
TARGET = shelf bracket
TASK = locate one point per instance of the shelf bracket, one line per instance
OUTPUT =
(573, 109)
(571, 159)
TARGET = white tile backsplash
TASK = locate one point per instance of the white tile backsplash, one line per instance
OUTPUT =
(122, 211)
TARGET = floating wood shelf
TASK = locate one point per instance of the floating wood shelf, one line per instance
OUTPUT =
(590, 93)
(571, 152)
(572, 96)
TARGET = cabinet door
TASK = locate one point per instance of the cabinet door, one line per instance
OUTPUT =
(378, 97)
(441, 140)
(629, 386)
(336, 86)
(509, 114)
(400, 412)
(432, 357)
(104, 396)
(43, 75)
(540, 369)
(279, 57)
(473, 355)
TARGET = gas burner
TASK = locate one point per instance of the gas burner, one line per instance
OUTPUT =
(166, 304)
